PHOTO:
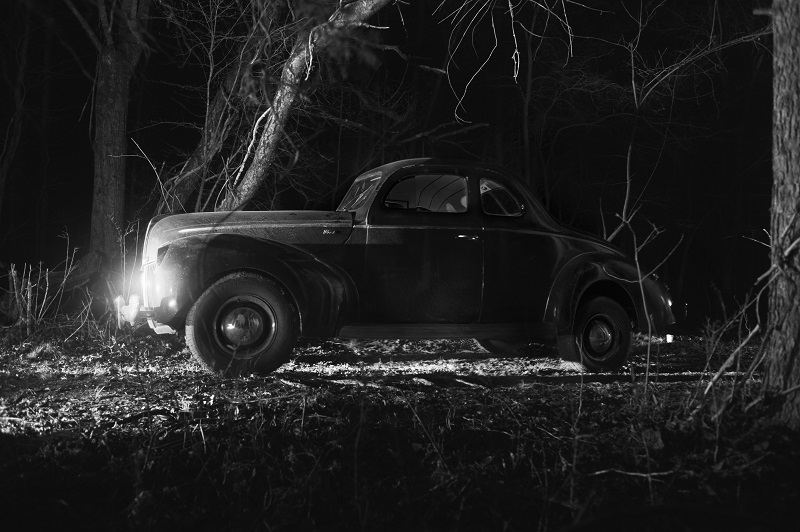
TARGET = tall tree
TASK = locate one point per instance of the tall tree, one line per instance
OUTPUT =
(251, 89)
(300, 61)
(783, 344)
(119, 44)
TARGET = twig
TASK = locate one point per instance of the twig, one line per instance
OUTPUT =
(790, 390)
(17, 294)
(429, 132)
(674, 248)
(730, 359)
(28, 315)
(631, 473)
(85, 25)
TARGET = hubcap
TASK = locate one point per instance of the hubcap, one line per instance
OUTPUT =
(599, 338)
(242, 326)
(245, 326)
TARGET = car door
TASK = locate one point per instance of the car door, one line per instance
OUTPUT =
(424, 251)
(521, 254)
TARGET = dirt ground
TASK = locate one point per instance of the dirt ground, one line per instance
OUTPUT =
(125, 431)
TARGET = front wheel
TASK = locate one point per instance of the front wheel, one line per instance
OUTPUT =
(242, 324)
(601, 336)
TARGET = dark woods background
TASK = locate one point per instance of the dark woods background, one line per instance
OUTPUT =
(562, 98)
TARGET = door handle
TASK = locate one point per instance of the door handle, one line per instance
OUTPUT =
(469, 237)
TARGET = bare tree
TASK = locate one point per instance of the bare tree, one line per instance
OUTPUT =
(119, 44)
(255, 85)
(245, 184)
(659, 80)
(783, 344)
(231, 61)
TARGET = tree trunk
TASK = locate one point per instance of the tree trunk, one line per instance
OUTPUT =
(117, 58)
(254, 177)
(294, 71)
(783, 345)
(216, 129)
(110, 144)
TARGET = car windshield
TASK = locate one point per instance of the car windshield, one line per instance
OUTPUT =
(360, 191)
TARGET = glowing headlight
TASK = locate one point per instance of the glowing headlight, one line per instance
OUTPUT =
(144, 283)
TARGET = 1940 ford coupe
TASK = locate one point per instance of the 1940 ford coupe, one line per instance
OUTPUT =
(418, 248)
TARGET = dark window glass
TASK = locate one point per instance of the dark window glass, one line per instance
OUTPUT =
(497, 200)
(430, 193)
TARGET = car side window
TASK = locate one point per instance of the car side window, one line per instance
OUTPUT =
(497, 200)
(430, 193)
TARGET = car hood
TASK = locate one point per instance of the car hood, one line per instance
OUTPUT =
(301, 228)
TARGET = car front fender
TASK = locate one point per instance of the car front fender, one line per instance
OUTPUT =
(323, 294)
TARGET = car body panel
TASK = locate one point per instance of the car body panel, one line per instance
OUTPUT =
(322, 294)
(315, 229)
(417, 249)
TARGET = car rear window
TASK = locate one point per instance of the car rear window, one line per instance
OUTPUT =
(497, 200)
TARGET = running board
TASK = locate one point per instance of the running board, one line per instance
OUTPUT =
(540, 331)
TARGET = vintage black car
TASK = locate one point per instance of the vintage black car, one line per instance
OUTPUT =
(418, 248)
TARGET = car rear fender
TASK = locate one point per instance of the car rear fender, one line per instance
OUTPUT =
(648, 294)
(584, 278)
(323, 295)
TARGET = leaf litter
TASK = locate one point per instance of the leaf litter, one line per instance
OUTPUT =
(126, 431)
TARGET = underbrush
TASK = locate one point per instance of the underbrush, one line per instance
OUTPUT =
(111, 430)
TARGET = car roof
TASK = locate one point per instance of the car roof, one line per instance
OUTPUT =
(435, 161)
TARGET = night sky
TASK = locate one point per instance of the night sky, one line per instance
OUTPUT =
(701, 163)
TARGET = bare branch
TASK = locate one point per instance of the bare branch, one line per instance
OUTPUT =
(295, 70)
(85, 25)
(429, 133)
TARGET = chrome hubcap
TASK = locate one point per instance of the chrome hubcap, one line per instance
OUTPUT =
(242, 326)
(245, 326)
(600, 336)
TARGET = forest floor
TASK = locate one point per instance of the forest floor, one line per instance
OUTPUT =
(109, 431)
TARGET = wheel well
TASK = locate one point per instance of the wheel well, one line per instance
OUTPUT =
(269, 277)
(315, 294)
(613, 291)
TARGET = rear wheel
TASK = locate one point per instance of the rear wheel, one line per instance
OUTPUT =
(600, 338)
(242, 324)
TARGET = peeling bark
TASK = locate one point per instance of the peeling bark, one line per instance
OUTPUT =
(783, 346)
(294, 72)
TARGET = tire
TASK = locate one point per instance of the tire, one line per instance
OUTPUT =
(242, 324)
(502, 347)
(601, 336)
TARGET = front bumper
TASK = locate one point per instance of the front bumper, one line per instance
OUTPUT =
(138, 309)
(134, 312)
